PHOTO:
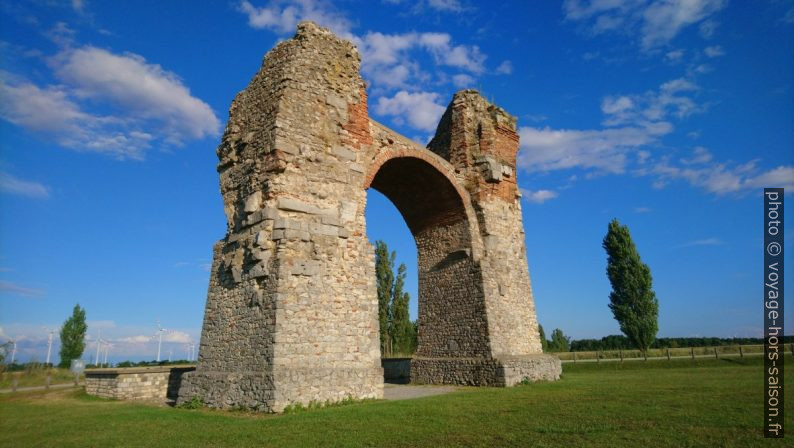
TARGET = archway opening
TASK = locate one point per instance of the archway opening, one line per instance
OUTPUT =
(449, 301)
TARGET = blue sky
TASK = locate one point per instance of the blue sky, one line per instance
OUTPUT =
(668, 115)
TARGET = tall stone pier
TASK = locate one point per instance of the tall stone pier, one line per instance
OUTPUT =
(292, 310)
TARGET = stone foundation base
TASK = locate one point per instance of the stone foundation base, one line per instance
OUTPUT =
(284, 387)
(485, 372)
(539, 367)
(251, 390)
(304, 385)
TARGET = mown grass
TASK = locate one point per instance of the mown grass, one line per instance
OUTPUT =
(678, 403)
(35, 377)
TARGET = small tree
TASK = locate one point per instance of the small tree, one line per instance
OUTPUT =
(559, 342)
(544, 343)
(384, 274)
(397, 332)
(632, 300)
(73, 337)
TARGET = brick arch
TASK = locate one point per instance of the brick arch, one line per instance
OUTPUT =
(421, 186)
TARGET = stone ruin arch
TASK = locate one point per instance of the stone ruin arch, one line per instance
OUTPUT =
(292, 313)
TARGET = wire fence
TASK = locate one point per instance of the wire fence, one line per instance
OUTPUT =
(666, 353)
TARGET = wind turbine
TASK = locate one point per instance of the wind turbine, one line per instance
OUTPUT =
(108, 345)
(49, 342)
(98, 343)
(13, 350)
(159, 336)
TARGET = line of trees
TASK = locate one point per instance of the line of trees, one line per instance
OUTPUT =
(561, 343)
(398, 334)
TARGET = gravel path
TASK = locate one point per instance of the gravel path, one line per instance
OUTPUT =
(406, 391)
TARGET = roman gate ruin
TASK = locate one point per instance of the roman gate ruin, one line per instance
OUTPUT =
(292, 309)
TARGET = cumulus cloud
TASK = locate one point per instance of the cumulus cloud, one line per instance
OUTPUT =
(655, 23)
(142, 103)
(14, 185)
(282, 16)
(723, 178)
(141, 89)
(384, 50)
(538, 196)
(419, 109)
(605, 150)
(632, 124)
(671, 99)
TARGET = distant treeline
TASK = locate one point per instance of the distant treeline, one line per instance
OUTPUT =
(153, 363)
(620, 342)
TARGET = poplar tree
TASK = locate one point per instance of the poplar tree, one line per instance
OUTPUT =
(73, 337)
(397, 332)
(544, 343)
(632, 300)
(384, 274)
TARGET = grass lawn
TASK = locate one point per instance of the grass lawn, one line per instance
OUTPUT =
(36, 377)
(639, 404)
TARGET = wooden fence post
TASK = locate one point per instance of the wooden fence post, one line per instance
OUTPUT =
(716, 356)
(741, 353)
(645, 354)
(692, 351)
(574, 357)
(598, 358)
(47, 382)
(14, 383)
(621, 355)
(792, 349)
(668, 354)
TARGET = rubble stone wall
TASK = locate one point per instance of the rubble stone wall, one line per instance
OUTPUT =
(136, 383)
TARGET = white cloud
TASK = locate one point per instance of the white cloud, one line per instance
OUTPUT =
(652, 106)
(146, 103)
(642, 210)
(703, 242)
(420, 110)
(714, 51)
(141, 89)
(505, 68)
(656, 23)
(282, 16)
(138, 339)
(445, 5)
(605, 150)
(12, 288)
(700, 155)
(722, 178)
(462, 80)
(674, 56)
(177, 336)
(11, 184)
(664, 19)
(538, 196)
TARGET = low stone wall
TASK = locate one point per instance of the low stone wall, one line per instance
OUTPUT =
(396, 370)
(136, 383)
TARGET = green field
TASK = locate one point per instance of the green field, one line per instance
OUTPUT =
(678, 403)
(35, 377)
